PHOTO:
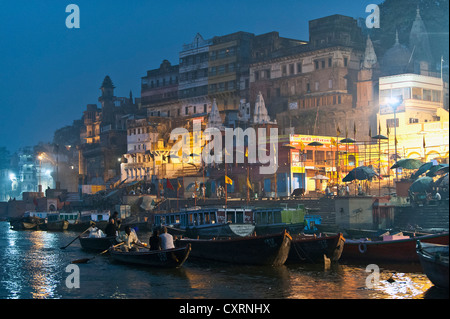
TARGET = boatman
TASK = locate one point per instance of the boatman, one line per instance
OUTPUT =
(129, 238)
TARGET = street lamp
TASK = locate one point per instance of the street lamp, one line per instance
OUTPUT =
(394, 103)
(40, 172)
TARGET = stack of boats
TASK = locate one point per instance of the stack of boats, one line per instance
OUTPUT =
(58, 221)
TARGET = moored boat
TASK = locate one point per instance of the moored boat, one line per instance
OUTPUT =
(208, 223)
(312, 249)
(54, 222)
(253, 250)
(58, 225)
(434, 261)
(87, 217)
(97, 244)
(394, 250)
(170, 258)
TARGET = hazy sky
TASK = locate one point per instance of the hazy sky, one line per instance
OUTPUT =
(49, 73)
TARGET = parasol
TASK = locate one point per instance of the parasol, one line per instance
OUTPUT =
(438, 170)
(408, 163)
(347, 140)
(421, 185)
(320, 177)
(360, 173)
(422, 169)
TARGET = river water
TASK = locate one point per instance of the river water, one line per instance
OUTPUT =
(34, 267)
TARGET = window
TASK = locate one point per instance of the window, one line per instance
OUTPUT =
(417, 93)
(413, 121)
(212, 71)
(186, 110)
(316, 86)
(330, 62)
(205, 108)
(345, 61)
(268, 74)
(436, 96)
(299, 67)
(426, 95)
(308, 88)
(391, 123)
(291, 69)
(330, 84)
(283, 70)
(316, 64)
(256, 75)
(323, 64)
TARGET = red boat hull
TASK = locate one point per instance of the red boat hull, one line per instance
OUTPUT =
(403, 250)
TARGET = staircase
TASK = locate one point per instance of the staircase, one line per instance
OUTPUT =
(429, 216)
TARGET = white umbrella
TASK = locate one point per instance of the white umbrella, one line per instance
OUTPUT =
(320, 177)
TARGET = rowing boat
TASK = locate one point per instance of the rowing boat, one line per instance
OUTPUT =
(254, 250)
(97, 244)
(312, 249)
(169, 258)
(397, 250)
(434, 261)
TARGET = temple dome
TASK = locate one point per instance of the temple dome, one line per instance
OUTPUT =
(396, 60)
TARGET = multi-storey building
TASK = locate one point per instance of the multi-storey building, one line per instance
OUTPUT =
(159, 90)
(193, 85)
(104, 137)
(311, 88)
(228, 77)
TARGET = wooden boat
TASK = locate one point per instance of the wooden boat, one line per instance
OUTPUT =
(208, 223)
(97, 244)
(255, 250)
(34, 223)
(170, 258)
(434, 261)
(312, 249)
(58, 225)
(397, 250)
(55, 221)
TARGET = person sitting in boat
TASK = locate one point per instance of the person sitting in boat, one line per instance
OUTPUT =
(111, 229)
(166, 239)
(129, 238)
(155, 241)
(95, 232)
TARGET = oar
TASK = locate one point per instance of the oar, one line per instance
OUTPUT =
(75, 238)
(85, 260)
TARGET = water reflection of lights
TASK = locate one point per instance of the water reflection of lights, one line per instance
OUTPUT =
(44, 267)
(30, 268)
(402, 286)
